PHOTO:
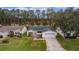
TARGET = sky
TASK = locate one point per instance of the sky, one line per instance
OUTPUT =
(33, 8)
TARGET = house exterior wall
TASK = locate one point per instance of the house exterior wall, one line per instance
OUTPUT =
(24, 30)
(31, 31)
(4, 34)
(58, 30)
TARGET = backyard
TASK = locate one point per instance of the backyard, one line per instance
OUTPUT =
(23, 44)
(68, 44)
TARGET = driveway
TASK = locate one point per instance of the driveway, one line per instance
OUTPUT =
(53, 45)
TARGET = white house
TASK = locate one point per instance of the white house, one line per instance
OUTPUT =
(4, 30)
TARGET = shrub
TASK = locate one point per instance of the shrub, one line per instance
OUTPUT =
(59, 37)
(5, 41)
(11, 34)
(25, 34)
(1, 36)
(17, 34)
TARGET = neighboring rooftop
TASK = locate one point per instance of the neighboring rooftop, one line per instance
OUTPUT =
(9, 28)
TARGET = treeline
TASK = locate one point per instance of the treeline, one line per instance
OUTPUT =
(67, 19)
(23, 17)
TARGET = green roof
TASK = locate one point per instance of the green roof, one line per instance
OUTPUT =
(39, 28)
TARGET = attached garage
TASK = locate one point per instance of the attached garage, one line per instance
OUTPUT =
(49, 35)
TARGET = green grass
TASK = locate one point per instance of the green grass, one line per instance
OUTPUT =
(68, 44)
(23, 44)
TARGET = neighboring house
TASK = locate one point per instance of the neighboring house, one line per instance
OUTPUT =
(4, 30)
(41, 32)
(70, 34)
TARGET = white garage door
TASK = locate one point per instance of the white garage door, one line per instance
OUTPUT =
(51, 35)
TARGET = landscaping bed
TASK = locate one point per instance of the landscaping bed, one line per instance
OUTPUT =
(68, 44)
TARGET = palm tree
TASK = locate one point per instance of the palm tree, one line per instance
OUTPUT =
(38, 14)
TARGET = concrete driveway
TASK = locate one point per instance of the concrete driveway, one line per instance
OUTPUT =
(53, 45)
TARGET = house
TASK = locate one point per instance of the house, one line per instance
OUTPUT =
(4, 30)
(68, 34)
(41, 32)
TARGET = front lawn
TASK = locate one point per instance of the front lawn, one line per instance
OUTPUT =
(23, 44)
(68, 44)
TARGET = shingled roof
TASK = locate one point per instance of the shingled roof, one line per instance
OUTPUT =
(39, 28)
(9, 28)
